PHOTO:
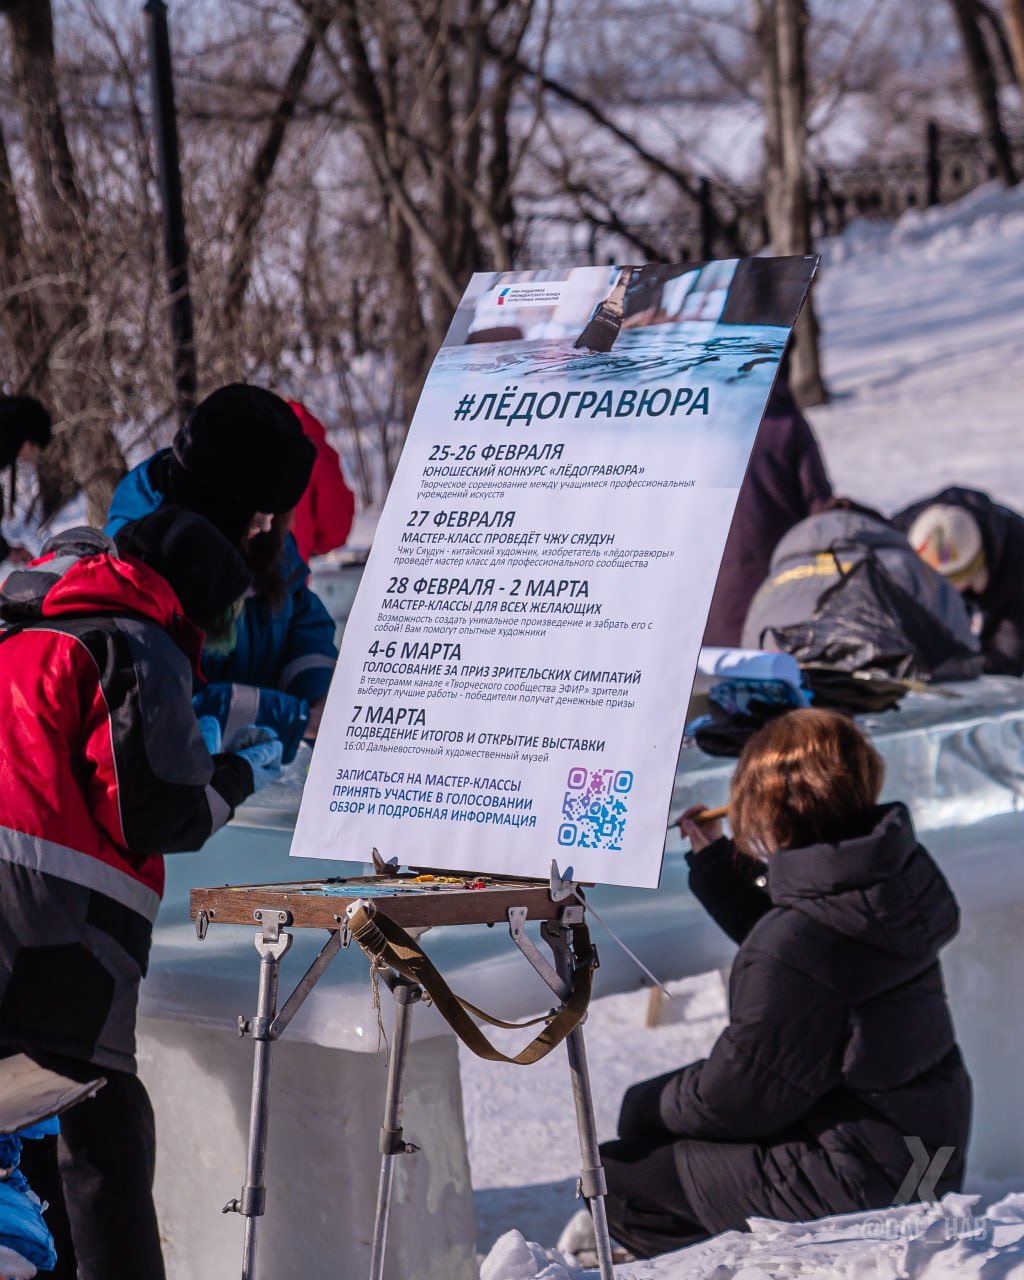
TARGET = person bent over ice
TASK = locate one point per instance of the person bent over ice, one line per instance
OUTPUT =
(242, 461)
(104, 769)
(840, 1043)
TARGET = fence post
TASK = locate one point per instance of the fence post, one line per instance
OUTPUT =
(932, 163)
(707, 221)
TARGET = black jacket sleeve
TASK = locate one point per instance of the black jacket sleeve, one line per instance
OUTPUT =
(780, 1054)
(1004, 649)
(724, 881)
(161, 792)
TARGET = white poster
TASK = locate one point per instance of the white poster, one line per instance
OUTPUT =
(515, 672)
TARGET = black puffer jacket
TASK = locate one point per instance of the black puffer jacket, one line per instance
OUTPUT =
(807, 561)
(840, 1042)
(1001, 604)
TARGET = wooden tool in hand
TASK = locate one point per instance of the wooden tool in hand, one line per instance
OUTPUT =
(705, 815)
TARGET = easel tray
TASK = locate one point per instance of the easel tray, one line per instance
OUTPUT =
(411, 901)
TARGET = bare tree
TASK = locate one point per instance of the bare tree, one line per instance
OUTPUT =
(24, 324)
(984, 83)
(430, 86)
(253, 193)
(53, 279)
(348, 163)
(1014, 10)
(781, 28)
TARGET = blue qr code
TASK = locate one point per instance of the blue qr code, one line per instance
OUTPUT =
(595, 808)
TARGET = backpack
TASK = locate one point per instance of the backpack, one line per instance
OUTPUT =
(867, 622)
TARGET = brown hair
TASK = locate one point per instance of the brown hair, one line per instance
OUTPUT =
(807, 777)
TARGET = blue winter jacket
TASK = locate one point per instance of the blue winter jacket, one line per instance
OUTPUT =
(283, 659)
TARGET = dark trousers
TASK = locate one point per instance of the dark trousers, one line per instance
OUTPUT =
(647, 1208)
(98, 1179)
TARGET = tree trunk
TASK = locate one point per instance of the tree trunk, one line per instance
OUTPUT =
(781, 26)
(22, 318)
(84, 453)
(33, 62)
(985, 86)
(253, 195)
(1015, 25)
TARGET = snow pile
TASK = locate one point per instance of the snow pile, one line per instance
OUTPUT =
(986, 216)
(908, 1242)
(516, 1258)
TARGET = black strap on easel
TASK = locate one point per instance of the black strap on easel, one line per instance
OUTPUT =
(388, 944)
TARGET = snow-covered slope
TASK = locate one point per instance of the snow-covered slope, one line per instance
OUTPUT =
(923, 325)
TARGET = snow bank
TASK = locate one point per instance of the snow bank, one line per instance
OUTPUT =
(909, 1242)
(516, 1258)
(923, 334)
(989, 214)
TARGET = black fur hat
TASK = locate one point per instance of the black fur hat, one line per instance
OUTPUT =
(247, 446)
(204, 570)
(22, 419)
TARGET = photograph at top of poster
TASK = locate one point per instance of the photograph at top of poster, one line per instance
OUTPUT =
(515, 672)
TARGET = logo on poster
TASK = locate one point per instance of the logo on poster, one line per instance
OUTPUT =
(530, 295)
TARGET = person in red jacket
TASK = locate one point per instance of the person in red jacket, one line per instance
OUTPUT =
(103, 769)
(323, 518)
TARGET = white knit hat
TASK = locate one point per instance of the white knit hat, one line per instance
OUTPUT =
(949, 539)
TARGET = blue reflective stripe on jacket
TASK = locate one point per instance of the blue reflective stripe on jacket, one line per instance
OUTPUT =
(236, 706)
(290, 649)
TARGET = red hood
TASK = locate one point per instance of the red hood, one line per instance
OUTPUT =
(106, 584)
(313, 427)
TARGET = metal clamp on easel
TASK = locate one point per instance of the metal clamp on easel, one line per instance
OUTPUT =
(386, 925)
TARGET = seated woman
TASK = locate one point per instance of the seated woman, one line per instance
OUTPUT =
(840, 1045)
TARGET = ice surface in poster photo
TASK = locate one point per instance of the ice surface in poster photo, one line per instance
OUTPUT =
(516, 668)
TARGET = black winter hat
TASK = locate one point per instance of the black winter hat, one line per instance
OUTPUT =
(204, 570)
(247, 445)
(22, 420)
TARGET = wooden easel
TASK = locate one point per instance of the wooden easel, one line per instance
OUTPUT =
(415, 902)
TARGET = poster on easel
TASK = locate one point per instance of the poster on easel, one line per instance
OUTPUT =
(516, 668)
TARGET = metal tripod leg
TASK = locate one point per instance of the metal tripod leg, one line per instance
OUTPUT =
(592, 1180)
(271, 944)
(392, 1143)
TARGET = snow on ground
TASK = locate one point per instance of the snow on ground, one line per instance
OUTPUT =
(912, 1242)
(923, 324)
